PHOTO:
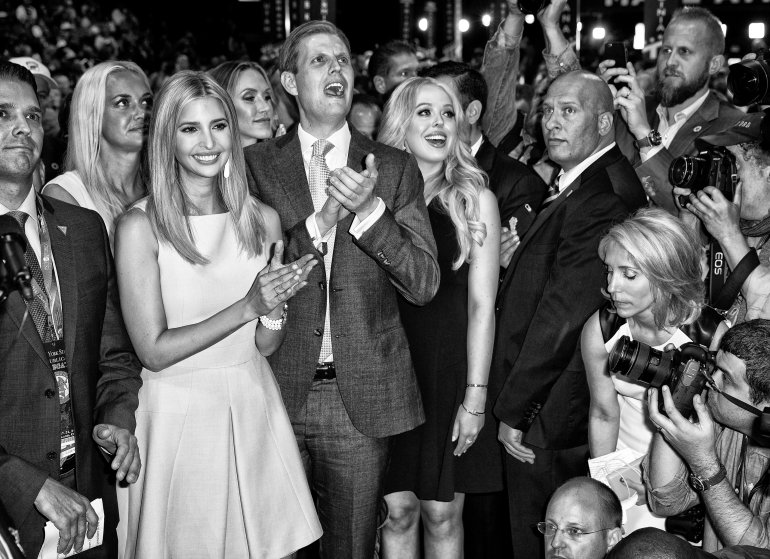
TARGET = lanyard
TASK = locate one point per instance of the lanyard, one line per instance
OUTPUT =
(52, 302)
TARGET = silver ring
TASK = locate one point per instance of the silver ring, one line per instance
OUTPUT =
(469, 441)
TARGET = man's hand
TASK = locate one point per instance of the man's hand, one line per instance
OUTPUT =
(719, 216)
(550, 15)
(70, 512)
(694, 441)
(122, 444)
(511, 439)
(509, 242)
(629, 99)
(354, 190)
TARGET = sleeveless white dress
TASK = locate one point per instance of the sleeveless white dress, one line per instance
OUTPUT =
(636, 430)
(221, 473)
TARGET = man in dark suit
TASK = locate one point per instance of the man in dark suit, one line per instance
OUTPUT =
(550, 288)
(68, 374)
(344, 367)
(658, 128)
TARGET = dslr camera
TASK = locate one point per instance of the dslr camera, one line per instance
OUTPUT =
(747, 80)
(713, 166)
(686, 371)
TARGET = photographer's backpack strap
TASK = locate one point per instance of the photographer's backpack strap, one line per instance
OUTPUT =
(735, 280)
(702, 330)
(609, 321)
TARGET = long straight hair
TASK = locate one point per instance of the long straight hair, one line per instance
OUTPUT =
(85, 136)
(459, 183)
(168, 205)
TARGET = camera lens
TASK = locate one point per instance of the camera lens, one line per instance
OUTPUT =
(681, 171)
(531, 6)
(748, 82)
(623, 355)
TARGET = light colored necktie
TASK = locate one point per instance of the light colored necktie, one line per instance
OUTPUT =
(318, 180)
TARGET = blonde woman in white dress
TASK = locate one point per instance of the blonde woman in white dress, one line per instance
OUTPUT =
(221, 474)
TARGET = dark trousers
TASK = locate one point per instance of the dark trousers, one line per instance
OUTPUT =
(345, 471)
(530, 487)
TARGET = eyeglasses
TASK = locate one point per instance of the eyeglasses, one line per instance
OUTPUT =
(549, 529)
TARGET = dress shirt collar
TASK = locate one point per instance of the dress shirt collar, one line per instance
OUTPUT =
(568, 177)
(476, 146)
(29, 207)
(340, 139)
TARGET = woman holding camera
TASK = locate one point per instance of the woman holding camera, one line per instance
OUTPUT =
(655, 287)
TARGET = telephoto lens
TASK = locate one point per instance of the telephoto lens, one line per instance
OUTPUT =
(748, 81)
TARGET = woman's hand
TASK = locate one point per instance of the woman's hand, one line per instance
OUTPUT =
(276, 283)
(466, 428)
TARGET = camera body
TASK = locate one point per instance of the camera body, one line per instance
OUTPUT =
(683, 370)
(748, 81)
(713, 166)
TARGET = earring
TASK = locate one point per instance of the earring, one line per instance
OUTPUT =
(226, 171)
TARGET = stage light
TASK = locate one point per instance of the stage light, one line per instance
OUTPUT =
(486, 20)
(756, 30)
(639, 36)
(598, 33)
(463, 25)
(422, 24)
(529, 18)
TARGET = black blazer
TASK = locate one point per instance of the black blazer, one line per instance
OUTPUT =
(519, 190)
(549, 290)
(104, 377)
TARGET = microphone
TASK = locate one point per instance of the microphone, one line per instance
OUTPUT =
(13, 243)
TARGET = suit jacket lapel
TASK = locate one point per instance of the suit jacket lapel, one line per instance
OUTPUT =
(67, 276)
(693, 126)
(291, 168)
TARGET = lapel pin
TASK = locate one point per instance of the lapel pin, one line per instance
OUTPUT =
(697, 128)
(62, 228)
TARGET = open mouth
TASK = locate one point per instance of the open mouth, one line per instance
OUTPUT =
(436, 140)
(335, 89)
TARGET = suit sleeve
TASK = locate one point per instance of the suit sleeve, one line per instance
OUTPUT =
(117, 390)
(523, 201)
(571, 294)
(401, 241)
(20, 482)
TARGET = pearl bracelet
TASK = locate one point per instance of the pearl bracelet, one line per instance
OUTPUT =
(275, 323)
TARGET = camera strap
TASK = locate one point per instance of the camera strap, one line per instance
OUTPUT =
(730, 288)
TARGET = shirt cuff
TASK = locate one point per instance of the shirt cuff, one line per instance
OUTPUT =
(652, 152)
(565, 61)
(358, 227)
(315, 234)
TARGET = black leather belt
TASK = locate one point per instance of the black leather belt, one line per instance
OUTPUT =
(325, 371)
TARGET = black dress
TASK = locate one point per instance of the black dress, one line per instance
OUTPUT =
(422, 460)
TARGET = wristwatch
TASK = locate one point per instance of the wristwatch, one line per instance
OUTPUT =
(700, 484)
(652, 139)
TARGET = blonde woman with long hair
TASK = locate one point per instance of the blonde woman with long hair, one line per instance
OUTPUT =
(109, 114)
(201, 278)
(455, 451)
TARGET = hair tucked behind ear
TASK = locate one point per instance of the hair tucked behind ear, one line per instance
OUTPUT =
(167, 205)
(457, 186)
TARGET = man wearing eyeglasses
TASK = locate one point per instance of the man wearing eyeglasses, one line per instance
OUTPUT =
(722, 457)
(582, 521)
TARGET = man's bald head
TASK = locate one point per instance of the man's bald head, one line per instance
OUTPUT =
(652, 543)
(592, 90)
(605, 502)
(577, 118)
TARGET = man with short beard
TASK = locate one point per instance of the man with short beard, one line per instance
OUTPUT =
(662, 127)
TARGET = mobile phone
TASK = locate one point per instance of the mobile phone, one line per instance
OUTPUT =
(619, 53)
